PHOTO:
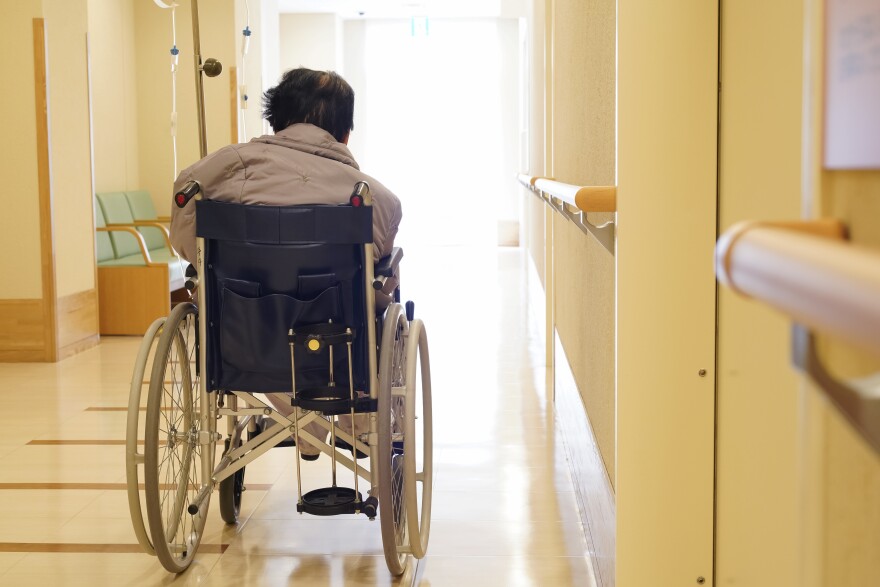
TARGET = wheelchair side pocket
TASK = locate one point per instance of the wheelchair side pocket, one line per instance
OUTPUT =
(253, 331)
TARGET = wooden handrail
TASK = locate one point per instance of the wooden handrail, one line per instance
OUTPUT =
(527, 180)
(573, 201)
(818, 279)
(585, 198)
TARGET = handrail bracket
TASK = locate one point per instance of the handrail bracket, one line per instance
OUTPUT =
(861, 409)
(604, 233)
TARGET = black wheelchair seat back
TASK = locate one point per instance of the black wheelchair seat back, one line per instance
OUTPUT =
(272, 269)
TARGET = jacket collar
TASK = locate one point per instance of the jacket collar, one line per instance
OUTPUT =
(309, 138)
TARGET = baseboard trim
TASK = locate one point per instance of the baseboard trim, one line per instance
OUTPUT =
(22, 331)
(78, 346)
(595, 495)
(77, 322)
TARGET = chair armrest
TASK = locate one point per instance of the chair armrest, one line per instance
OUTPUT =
(387, 265)
(151, 224)
(163, 219)
(138, 237)
(161, 227)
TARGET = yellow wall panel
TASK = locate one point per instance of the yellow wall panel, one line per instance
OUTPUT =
(583, 109)
(760, 178)
(585, 323)
(667, 161)
(20, 221)
(841, 522)
(70, 149)
(153, 86)
(535, 237)
(584, 92)
(114, 93)
(852, 508)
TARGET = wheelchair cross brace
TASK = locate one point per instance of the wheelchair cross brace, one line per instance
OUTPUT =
(240, 457)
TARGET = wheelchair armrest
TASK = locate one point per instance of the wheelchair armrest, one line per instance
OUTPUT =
(387, 265)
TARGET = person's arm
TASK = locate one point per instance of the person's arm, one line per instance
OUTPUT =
(386, 221)
(221, 175)
(387, 213)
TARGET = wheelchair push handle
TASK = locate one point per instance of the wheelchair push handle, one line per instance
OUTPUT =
(361, 195)
(186, 193)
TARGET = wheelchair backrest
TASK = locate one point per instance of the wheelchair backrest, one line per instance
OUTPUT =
(269, 269)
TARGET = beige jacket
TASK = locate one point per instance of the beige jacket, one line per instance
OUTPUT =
(302, 164)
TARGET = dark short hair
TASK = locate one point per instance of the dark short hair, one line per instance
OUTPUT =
(321, 98)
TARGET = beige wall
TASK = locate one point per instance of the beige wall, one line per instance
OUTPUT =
(20, 221)
(114, 94)
(253, 70)
(583, 106)
(354, 72)
(131, 98)
(534, 212)
(270, 42)
(219, 39)
(47, 305)
(841, 478)
(667, 111)
(760, 177)
(311, 40)
(797, 489)
(70, 154)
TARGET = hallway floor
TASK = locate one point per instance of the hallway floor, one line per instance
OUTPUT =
(504, 509)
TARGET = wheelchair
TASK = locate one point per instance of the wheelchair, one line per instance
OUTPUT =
(285, 304)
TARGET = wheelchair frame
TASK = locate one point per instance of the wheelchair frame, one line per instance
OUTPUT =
(173, 354)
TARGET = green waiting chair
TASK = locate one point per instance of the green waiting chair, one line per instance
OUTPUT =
(135, 283)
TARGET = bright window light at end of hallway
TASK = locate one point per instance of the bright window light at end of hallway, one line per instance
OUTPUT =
(440, 123)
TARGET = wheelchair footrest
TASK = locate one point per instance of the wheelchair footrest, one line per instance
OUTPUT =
(331, 501)
(332, 401)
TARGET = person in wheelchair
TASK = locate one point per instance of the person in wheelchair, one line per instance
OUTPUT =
(306, 161)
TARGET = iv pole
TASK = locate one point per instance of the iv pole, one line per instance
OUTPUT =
(211, 68)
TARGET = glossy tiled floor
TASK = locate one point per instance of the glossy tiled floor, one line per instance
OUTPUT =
(504, 512)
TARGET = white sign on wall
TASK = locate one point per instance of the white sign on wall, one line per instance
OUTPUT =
(852, 84)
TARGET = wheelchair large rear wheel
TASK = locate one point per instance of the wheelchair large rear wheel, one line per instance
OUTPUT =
(389, 462)
(404, 450)
(134, 437)
(179, 443)
(418, 445)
